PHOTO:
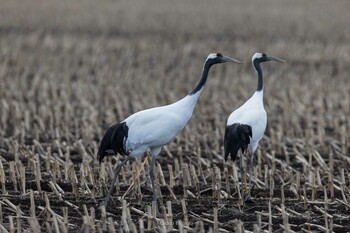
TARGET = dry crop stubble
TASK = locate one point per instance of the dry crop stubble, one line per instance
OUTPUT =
(67, 77)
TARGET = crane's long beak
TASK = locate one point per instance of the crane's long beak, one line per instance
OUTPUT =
(271, 58)
(228, 59)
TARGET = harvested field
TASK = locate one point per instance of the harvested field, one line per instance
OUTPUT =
(69, 70)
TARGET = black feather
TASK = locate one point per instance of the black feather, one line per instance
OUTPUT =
(113, 139)
(237, 136)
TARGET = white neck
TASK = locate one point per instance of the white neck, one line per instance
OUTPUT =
(256, 99)
(189, 101)
(259, 94)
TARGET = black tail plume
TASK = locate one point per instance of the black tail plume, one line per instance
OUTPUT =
(237, 136)
(113, 139)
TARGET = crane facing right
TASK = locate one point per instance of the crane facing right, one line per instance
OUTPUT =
(246, 125)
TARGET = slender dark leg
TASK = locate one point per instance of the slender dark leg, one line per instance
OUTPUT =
(242, 174)
(154, 154)
(116, 172)
(151, 175)
(251, 164)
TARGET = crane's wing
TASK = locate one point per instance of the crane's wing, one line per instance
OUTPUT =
(254, 117)
(154, 127)
(237, 136)
(113, 139)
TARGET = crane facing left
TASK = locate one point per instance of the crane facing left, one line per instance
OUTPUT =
(153, 128)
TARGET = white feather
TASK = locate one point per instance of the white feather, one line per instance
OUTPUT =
(252, 113)
(212, 56)
(155, 127)
(256, 55)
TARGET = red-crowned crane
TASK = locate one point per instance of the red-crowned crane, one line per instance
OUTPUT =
(152, 128)
(247, 124)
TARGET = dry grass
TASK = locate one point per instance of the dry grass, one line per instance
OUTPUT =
(68, 70)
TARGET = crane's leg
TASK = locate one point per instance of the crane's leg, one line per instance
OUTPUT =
(242, 173)
(116, 172)
(154, 154)
(251, 164)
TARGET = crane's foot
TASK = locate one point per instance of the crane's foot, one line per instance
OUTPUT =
(249, 200)
(155, 209)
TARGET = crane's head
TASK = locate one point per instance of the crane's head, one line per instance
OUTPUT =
(262, 57)
(215, 58)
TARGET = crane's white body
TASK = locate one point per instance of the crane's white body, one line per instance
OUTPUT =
(152, 128)
(251, 113)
